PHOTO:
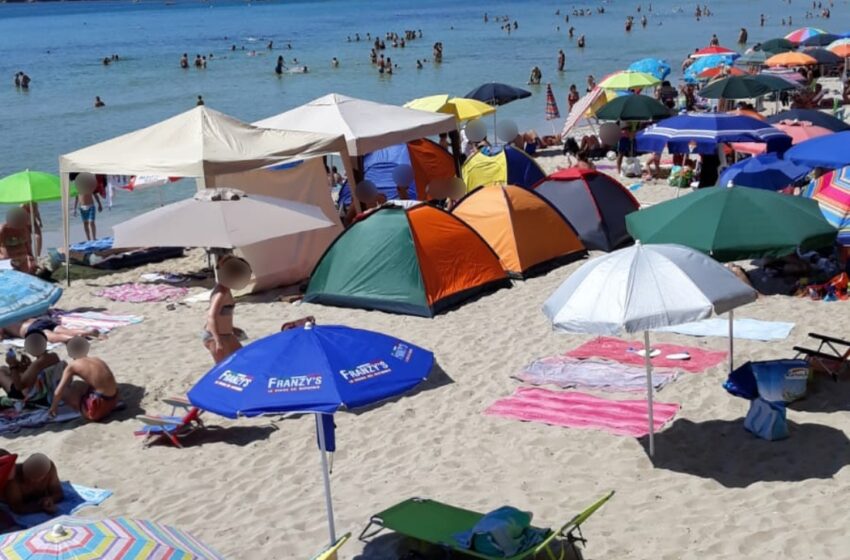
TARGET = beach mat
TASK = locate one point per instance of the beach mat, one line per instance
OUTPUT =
(143, 293)
(12, 421)
(626, 352)
(750, 329)
(76, 498)
(568, 373)
(103, 322)
(572, 409)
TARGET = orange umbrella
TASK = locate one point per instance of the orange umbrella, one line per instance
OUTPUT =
(790, 59)
(710, 73)
(841, 50)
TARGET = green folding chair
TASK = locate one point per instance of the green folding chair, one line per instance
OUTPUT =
(437, 524)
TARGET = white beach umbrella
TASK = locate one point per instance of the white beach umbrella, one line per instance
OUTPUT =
(219, 218)
(641, 288)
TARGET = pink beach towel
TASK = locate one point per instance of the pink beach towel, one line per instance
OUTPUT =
(143, 293)
(103, 322)
(572, 409)
(626, 352)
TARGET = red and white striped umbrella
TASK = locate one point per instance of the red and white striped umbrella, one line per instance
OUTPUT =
(551, 106)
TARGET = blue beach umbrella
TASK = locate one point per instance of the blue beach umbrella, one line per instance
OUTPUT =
(766, 171)
(831, 151)
(702, 132)
(706, 62)
(655, 66)
(315, 369)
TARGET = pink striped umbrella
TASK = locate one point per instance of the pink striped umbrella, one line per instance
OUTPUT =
(551, 106)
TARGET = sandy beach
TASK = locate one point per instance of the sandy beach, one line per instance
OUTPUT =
(252, 488)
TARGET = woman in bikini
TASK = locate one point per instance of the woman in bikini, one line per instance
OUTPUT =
(220, 337)
(15, 242)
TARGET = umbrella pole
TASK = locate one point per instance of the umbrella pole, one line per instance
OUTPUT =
(32, 231)
(647, 360)
(731, 341)
(327, 479)
(495, 137)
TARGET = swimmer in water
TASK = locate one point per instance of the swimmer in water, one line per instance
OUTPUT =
(98, 102)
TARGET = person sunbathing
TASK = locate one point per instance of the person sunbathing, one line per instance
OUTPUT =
(95, 395)
(55, 333)
(30, 379)
(221, 339)
(33, 486)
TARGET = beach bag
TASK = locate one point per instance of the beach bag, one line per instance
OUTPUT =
(503, 532)
(631, 167)
(766, 420)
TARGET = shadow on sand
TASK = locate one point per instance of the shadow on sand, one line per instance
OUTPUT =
(724, 451)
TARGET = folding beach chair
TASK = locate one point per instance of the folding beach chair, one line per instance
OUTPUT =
(329, 553)
(438, 524)
(171, 427)
(832, 355)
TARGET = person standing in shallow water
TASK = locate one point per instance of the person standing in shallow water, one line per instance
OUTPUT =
(562, 60)
(278, 69)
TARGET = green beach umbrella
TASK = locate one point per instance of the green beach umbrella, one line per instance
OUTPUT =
(778, 45)
(633, 108)
(734, 87)
(29, 186)
(734, 223)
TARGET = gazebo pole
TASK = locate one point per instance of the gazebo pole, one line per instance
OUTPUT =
(327, 479)
(647, 360)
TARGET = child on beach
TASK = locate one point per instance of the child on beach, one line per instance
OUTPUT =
(95, 395)
(86, 200)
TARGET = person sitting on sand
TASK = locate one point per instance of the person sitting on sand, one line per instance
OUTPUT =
(220, 337)
(15, 243)
(369, 198)
(33, 486)
(96, 394)
(30, 379)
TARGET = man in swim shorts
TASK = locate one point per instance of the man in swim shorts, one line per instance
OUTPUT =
(95, 394)
(86, 200)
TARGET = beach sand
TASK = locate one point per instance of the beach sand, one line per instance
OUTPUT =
(252, 488)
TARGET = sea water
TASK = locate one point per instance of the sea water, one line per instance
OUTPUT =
(61, 45)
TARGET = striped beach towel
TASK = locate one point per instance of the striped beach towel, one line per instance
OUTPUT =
(572, 409)
(103, 322)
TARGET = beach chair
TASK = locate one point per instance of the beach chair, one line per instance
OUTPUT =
(172, 427)
(437, 524)
(832, 355)
(329, 553)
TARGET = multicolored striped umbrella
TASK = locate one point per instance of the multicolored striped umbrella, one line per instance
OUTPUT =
(71, 538)
(800, 35)
(832, 191)
(551, 106)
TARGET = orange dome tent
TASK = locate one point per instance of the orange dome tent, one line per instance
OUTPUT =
(527, 233)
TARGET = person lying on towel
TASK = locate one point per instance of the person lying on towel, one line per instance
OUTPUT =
(31, 378)
(95, 394)
(55, 333)
(32, 486)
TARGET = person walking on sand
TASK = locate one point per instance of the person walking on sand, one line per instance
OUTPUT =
(86, 200)
(562, 60)
(220, 336)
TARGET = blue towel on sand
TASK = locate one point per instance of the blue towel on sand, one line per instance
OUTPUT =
(102, 244)
(751, 329)
(76, 497)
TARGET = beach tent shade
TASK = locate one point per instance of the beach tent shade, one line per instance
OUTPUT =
(813, 116)
(594, 203)
(832, 192)
(367, 126)
(735, 223)
(198, 143)
(427, 159)
(284, 261)
(502, 165)
(417, 261)
(527, 233)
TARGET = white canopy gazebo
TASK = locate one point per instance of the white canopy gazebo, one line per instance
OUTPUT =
(366, 125)
(200, 143)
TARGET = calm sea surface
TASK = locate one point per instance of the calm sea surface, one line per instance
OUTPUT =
(61, 46)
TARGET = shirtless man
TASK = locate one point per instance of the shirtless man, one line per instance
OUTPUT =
(15, 241)
(33, 486)
(20, 379)
(86, 200)
(96, 394)
(54, 332)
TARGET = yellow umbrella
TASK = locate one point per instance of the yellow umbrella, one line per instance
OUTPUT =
(465, 109)
(790, 59)
(432, 103)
